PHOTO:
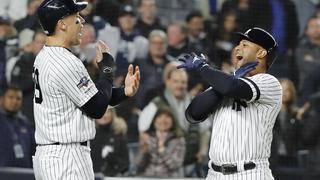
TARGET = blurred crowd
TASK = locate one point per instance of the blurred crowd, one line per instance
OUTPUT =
(148, 136)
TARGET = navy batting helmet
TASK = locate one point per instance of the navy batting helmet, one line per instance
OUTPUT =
(51, 11)
(264, 39)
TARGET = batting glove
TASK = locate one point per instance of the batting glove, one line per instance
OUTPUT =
(192, 61)
(245, 69)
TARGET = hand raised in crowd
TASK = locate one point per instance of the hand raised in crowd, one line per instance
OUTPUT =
(132, 81)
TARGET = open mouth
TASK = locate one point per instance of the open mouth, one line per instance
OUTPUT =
(239, 58)
(80, 32)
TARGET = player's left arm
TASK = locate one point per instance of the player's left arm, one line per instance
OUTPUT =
(226, 84)
(202, 106)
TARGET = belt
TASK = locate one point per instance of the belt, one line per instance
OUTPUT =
(231, 168)
(84, 143)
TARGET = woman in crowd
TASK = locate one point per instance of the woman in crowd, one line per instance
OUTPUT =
(162, 155)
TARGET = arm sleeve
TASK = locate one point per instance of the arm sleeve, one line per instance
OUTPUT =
(97, 105)
(202, 105)
(226, 84)
(117, 96)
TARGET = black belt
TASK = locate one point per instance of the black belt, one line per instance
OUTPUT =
(231, 168)
(84, 143)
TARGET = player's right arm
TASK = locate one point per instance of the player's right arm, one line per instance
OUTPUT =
(202, 105)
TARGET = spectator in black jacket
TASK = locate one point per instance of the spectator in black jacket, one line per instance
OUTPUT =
(17, 144)
(109, 148)
(152, 67)
(198, 40)
(148, 17)
(308, 49)
(177, 39)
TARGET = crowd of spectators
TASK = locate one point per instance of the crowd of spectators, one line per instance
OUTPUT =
(148, 135)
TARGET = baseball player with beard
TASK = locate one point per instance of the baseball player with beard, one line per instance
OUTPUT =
(243, 108)
(66, 101)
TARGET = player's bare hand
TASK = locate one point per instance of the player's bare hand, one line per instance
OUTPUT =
(132, 81)
(101, 47)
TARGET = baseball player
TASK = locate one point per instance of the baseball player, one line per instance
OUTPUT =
(243, 108)
(66, 101)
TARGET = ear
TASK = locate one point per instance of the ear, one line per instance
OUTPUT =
(62, 25)
(261, 53)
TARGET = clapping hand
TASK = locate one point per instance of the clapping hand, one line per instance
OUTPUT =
(132, 81)
(101, 47)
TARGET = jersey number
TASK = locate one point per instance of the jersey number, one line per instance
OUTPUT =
(37, 90)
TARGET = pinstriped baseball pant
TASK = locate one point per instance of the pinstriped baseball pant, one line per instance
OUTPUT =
(261, 172)
(63, 162)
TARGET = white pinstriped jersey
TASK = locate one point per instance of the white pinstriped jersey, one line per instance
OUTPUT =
(242, 131)
(62, 85)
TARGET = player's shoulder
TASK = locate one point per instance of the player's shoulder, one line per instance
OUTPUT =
(265, 78)
(58, 53)
(61, 57)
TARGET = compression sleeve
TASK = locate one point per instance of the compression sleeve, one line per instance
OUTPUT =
(202, 105)
(226, 84)
(97, 105)
(118, 96)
